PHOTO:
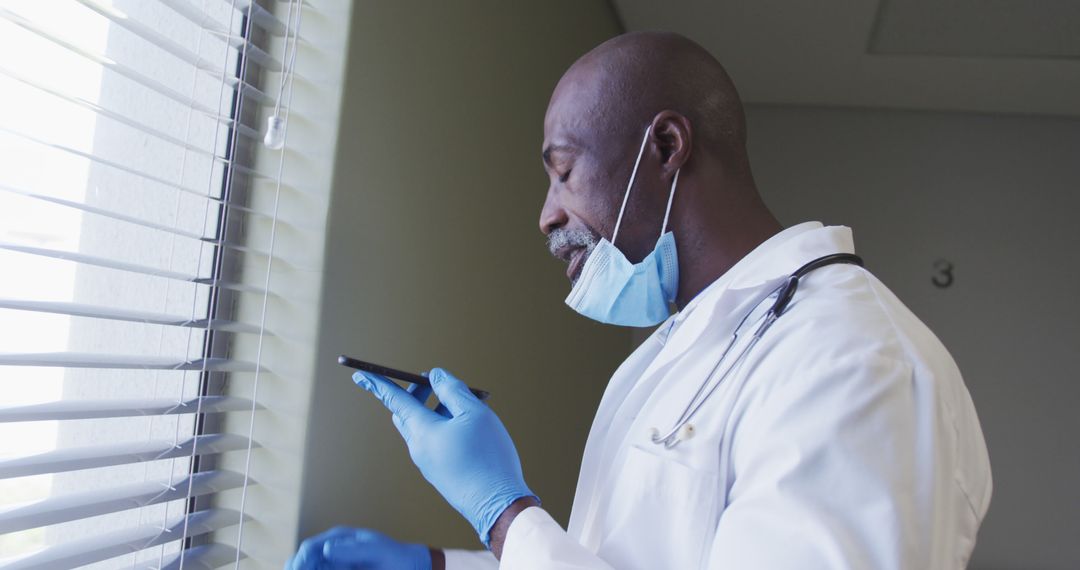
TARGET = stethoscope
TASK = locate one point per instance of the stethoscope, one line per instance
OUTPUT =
(683, 429)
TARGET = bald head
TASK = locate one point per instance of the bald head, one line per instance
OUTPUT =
(664, 99)
(616, 89)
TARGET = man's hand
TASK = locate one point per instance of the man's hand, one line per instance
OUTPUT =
(344, 547)
(461, 448)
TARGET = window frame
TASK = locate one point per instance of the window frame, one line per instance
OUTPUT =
(221, 303)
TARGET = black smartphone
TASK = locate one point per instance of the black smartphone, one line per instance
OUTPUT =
(398, 374)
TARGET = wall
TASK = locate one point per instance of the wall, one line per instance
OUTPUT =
(434, 257)
(995, 196)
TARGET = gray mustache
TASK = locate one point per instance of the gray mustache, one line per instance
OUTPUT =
(561, 238)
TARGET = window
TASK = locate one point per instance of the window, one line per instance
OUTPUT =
(127, 138)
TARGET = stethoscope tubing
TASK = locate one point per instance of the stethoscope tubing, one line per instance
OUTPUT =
(668, 439)
(784, 294)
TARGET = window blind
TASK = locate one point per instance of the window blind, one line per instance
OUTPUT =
(130, 149)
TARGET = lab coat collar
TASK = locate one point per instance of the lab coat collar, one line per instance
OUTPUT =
(805, 243)
(768, 263)
(731, 277)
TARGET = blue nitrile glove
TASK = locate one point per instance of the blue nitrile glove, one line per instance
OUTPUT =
(462, 448)
(344, 547)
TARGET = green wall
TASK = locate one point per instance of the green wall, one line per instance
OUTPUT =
(434, 257)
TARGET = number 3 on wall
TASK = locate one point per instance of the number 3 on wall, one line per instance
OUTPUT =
(943, 276)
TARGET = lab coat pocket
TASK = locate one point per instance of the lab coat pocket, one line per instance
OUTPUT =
(660, 513)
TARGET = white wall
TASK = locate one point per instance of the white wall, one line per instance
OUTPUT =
(434, 256)
(996, 196)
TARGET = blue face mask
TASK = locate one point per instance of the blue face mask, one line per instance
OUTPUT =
(614, 291)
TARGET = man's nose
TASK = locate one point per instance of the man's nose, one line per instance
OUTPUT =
(552, 215)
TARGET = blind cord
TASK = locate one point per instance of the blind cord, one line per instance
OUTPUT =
(275, 123)
(165, 305)
(226, 195)
(266, 296)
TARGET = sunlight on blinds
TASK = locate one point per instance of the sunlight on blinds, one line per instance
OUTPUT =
(127, 142)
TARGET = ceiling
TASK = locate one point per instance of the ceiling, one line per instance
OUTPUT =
(991, 56)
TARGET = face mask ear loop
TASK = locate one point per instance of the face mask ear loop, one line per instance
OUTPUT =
(633, 174)
(670, 199)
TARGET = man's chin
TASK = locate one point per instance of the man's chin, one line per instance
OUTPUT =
(577, 265)
(576, 276)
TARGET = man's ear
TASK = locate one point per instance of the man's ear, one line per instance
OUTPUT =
(673, 136)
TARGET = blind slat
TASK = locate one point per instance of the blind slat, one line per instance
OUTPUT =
(122, 362)
(125, 266)
(111, 544)
(162, 41)
(231, 81)
(143, 128)
(128, 315)
(73, 459)
(205, 557)
(195, 15)
(135, 172)
(94, 409)
(254, 53)
(74, 506)
(115, 116)
(107, 63)
(82, 207)
(261, 16)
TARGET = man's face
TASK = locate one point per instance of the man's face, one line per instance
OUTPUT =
(588, 174)
(587, 182)
(578, 209)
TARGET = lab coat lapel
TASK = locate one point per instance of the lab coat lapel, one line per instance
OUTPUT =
(618, 387)
(697, 362)
(633, 384)
(697, 346)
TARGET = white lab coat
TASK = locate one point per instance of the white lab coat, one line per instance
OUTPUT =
(846, 440)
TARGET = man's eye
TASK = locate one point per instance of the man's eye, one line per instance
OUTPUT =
(563, 177)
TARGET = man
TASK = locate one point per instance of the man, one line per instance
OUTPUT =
(835, 432)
